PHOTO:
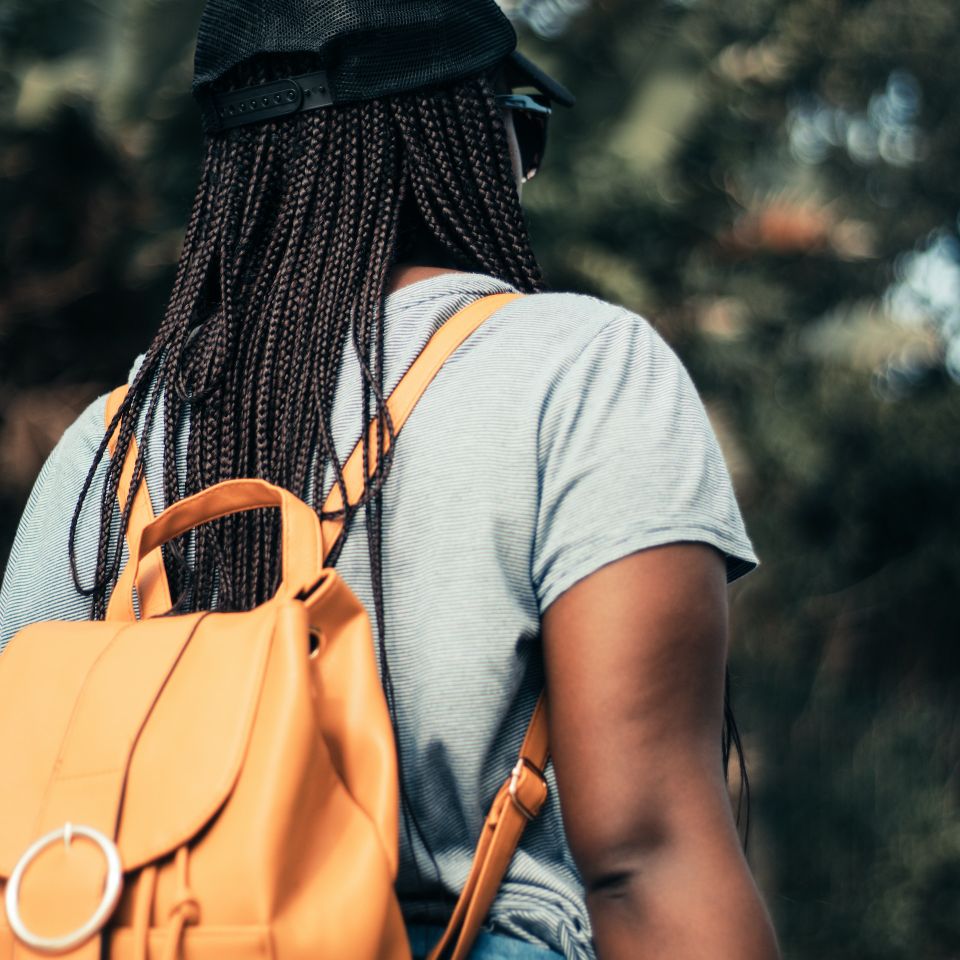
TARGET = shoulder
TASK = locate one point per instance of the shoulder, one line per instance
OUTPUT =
(81, 440)
(567, 321)
(66, 470)
(545, 338)
(575, 344)
(41, 549)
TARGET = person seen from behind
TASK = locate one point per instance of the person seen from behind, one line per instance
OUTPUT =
(557, 511)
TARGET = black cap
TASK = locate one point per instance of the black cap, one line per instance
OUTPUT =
(366, 48)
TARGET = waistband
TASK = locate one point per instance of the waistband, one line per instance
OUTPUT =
(488, 946)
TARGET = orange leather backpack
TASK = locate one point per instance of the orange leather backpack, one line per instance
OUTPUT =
(223, 786)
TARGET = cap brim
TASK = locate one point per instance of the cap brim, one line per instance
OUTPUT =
(521, 71)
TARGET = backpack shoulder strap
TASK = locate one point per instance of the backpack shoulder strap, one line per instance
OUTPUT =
(153, 590)
(517, 802)
(401, 402)
(522, 796)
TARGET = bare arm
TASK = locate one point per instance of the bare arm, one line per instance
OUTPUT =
(635, 657)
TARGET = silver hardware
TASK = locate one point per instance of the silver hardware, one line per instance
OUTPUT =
(515, 780)
(111, 890)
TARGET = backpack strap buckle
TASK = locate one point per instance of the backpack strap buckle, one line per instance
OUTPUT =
(528, 801)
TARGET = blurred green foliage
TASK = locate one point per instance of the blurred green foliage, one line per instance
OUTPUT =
(773, 183)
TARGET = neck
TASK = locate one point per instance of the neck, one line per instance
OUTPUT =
(426, 258)
(403, 275)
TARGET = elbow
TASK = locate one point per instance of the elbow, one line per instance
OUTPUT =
(611, 861)
(682, 814)
(675, 883)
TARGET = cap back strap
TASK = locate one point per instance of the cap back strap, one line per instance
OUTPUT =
(266, 101)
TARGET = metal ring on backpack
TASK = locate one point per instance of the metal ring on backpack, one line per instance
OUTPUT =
(111, 892)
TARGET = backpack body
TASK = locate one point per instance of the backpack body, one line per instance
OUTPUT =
(247, 784)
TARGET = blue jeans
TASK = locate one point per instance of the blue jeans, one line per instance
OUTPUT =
(488, 946)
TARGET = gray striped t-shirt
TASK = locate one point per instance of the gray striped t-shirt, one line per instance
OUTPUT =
(563, 435)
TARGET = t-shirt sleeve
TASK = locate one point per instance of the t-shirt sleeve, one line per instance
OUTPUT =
(38, 582)
(628, 460)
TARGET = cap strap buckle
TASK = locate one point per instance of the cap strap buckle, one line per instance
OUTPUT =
(267, 101)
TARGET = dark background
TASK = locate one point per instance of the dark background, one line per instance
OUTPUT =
(773, 183)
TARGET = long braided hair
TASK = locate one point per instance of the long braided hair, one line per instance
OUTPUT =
(295, 227)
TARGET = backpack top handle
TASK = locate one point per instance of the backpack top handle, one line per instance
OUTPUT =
(301, 542)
